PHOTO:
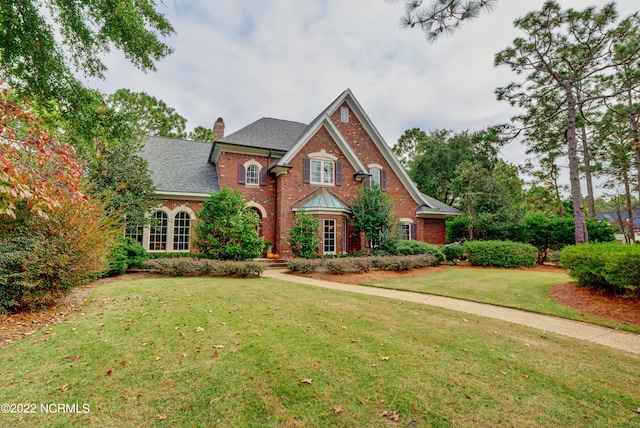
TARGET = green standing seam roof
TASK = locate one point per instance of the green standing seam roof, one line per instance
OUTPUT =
(321, 199)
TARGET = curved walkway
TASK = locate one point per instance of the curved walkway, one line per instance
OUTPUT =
(621, 340)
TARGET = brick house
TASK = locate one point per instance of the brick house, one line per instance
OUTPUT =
(281, 167)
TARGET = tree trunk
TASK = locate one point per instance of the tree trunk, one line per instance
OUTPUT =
(587, 172)
(554, 175)
(627, 194)
(574, 168)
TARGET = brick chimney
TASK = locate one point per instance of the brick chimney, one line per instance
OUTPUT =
(218, 129)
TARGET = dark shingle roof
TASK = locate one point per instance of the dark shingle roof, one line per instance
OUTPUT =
(181, 165)
(267, 133)
(612, 216)
(438, 207)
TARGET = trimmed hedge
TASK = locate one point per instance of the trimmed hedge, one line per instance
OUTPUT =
(611, 267)
(411, 248)
(202, 267)
(453, 252)
(362, 264)
(505, 254)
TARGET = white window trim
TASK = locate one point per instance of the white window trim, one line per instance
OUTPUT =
(246, 165)
(171, 215)
(322, 181)
(335, 235)
(406, 222)
(344, 114)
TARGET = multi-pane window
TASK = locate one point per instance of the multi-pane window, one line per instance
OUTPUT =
(329, 237)
(253, 174)
(134, 232)
(181, 231)
(405, 231)
(375, 177)
(158, 232)
(322, 172)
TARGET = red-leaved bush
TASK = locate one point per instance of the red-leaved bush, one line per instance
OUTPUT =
(52, 237)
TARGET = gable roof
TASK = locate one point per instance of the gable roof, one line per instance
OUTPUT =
(179, 167)
(428, 205)
(267, 133)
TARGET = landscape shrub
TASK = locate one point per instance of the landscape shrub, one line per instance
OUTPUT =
(303, 236)
(399, 263)
(172, 255)
(554, 233)
(127, 253)
(304, 265)
(226, 228)
(610, 267)
(453, 252)
(203, 267)
(505, 254)
(348, 265)
(409, 248)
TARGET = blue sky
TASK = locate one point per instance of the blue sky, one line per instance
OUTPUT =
(289, 59)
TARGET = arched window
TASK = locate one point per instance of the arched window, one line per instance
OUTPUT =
(181, 231)
(158, 232)
(134, 232)
(253, 174)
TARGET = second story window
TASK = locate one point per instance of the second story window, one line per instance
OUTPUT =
(322, 172)
(375, 177)
(253, 174)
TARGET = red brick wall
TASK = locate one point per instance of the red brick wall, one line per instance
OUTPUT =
(365, 149)
(432, 231)
(227, 167)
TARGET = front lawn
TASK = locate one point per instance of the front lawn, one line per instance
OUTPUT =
(258, 352)
(513, 288)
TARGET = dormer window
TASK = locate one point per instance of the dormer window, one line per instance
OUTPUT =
(344, 114)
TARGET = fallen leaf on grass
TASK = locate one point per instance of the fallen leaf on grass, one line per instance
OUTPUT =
(62, 388)
(214, 400)
(391, 415)
(384, 358)
(122, 362)
(337, 409)
(158, 358)
(162, 417)
(306, 381)
(109, 373)
(199, 329)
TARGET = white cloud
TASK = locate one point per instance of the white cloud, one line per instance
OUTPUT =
(289, 59)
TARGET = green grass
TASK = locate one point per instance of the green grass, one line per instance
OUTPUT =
(134, 355)
(513, 288)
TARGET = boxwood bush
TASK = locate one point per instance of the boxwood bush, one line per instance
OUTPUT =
(505, 254)
(453, 252)
(611, 267)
